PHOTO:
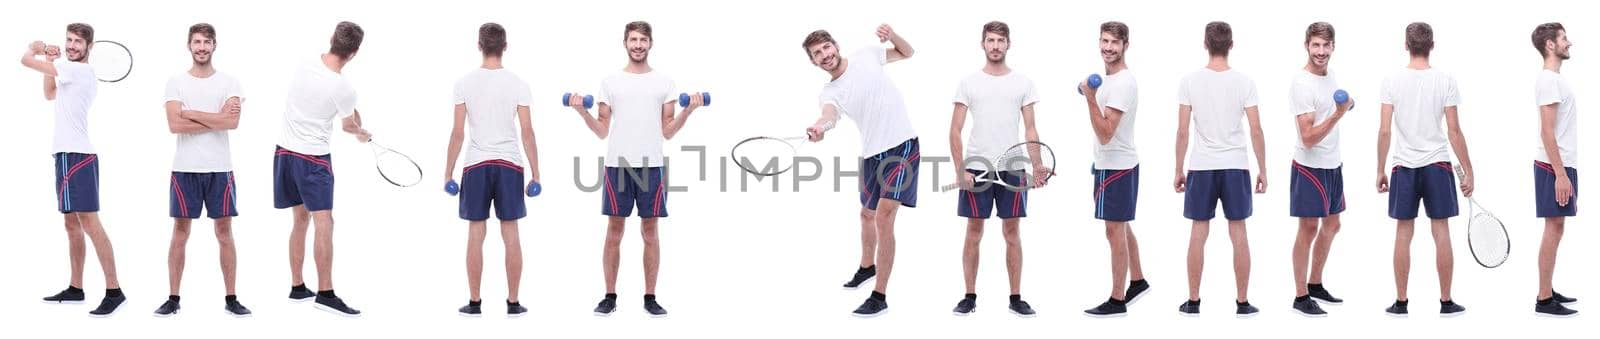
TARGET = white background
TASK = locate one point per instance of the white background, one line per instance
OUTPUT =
(766, 263)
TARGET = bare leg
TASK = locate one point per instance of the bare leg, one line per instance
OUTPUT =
(1135, 268)
(1301, 253)
(176, 254)
(885, 222)
(969, 253)
(613, 251)
(1445, 260)
(1012, 230)
(1117, 237)
(1241, 258)
(102, 246)
(513, 244)
(1553, 229)
(652, 252)
(1404, 229)
(76, 249)
(869, 236)
(1319, 251)
(476, 231)
(227, 253)
(1197, 255)
(324, 248)
(297, 245)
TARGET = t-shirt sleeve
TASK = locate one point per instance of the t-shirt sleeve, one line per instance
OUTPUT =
(1452, 96)
(235, 89)
(68, 72)
(1030, 94)
(604, 94)
(345, 100)
(524, 95)
(671, 89)
(1123, 97)
(1547, 91)
(458, 95)
(1302, 99)
(1183, 92)
(881, 54)
(962, 97)
(1386, 94)
(172, 93)
(1250, 98)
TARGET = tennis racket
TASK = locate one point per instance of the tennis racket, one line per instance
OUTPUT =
(1486, 235)
(111, 60)
(1032, 155)
(394, 167)
(768, 156)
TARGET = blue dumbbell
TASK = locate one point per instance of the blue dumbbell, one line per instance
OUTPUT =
(534, 188)
(1094, 82)
(683, 99)
(588, 100)
(1341, 97)
(452, 188)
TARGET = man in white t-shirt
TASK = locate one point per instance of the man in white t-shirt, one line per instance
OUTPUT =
(1214, 100)
(1112, 109)
(1556, 191)
(999, 100)
(302, 168)
(637, 114)
(859, 88)
(72, 85)
(1316, 184)
(1416, 101)
(201, 106)
(492, 104)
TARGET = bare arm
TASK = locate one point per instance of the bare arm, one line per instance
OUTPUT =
(670, 124)
(30, 59)
(179, 125)
(901, 49)
(352, 125)
(1458, 142)
(1312, 133)
(1182, 146)
(1258, 141)
(457, 133)
(530, 147)
(601, 126)
(227, 119)
(958, 120)
(1104, 122)
(1547, 137)
(830, 116)
(1385, 120)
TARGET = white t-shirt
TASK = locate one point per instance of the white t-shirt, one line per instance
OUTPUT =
(317, 97)
(865, 94)
(76, 88)
(1313, 94)
(1121, 92)
(636, 99)
(995, 105)
(1419, 98)
(1218, 101)
(204, 152)
(492, 98)
(1552, 88)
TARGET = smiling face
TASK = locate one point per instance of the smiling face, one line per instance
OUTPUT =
(1563, 48)
(77, 48)
(1111, 48)
(824, 55)
(638, 45)
(1319, 50)
(201, 47)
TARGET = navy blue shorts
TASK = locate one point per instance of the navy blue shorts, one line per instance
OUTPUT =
(987, 196)
(891, 175)
(1205, 188)
(192, 191)
(1434, 185)
(628, 187)
(1315, 192)
(299, 179)
(1116, 193)
(496, 182)
(77, 182)
(1544, 191)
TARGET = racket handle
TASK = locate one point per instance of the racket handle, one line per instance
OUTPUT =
(452, 188)
(1341, 97)
(534, 188)
(950, 187)
(588, 100)
(683, 99)
(1094, 81)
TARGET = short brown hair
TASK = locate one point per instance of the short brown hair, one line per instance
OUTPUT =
(492, 39)
(203, 29)
(346, 39)
(1117, 29)
(1546, 32)
(999, 28)
(1219, 38)
(83, 30)
(637, 26)
(1319, 30)
(816, 37)
(1419, 39)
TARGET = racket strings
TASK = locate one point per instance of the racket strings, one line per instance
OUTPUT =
(1488, 240)
(397, 168)
(765, 156)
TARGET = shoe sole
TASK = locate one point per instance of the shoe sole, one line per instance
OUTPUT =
(74, 302)
(658, 316)
(1556, 316)
(1106, 316)
(470, 315)
(1451, 315)
(959, 314)
(1570, 304)
(107, 315)
(1024, 315)
(302, 300)
(1327, 302)
(337, 312)
(1187, 314)
(1310, 315)
(863, 282)
(238, 316)
(602, 314)
(1398, 315)
(1247, 315)
(870, 315)
(168, 315)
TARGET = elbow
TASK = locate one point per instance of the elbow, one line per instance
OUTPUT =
(1308, 142)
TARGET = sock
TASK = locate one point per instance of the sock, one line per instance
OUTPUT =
(649, 298)
(1138, 282)
(1195, 302)
(1242, 303)
(1402, 303)
(475, 303)
(326, 294)
(1016, 298)
(611, 296)
(1447, 302)
(71, 288)
(301, 286)
(513, 303)
(970, 296)
(1547, 301)
(1115, 301)
(1314, 286)
(113, 292)
(229, 298)
(172, 297)
(1302, 298)
(879, 296)
(872, 268)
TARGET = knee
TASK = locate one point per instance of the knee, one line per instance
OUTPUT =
(614, 228)
(1331, 227)
(868, 215)
(73, 226)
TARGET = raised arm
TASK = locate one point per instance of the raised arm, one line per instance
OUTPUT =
(601, 125)
(1103, 121)
(670, 123)
(901, 50)
(1312, 133)
(30, 59)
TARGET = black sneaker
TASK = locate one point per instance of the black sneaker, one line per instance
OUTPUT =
(1552, 308)
(1307, 307)
(606, 306)
(862, 276)
(1135, 290)
(1190, 308)
(967, 305)
(71, 295)
(872, 308)
(514, 310)
(1021, 309)
(1110, 309)
(167, 309)
(336, 306)
(108, 306)
(1564, 300)
(1320, 293)
(236, 309)
(1449, 308)
(299, 293)
(1245, 310)
(654, 309)
(1397, 310)
(473, 309)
